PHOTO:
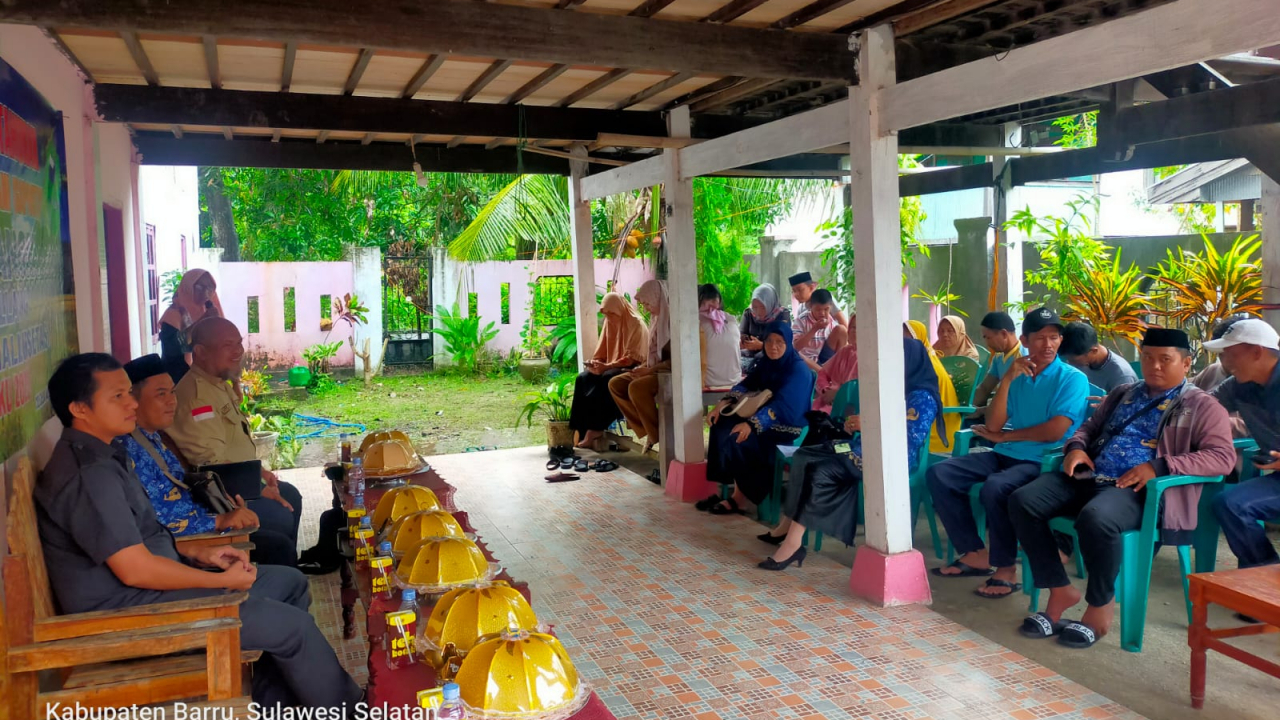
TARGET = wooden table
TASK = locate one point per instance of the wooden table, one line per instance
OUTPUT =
(1254, 592)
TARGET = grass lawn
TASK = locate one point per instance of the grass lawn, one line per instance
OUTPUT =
(453, 412)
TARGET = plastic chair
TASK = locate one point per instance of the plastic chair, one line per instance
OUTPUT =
(770, 511)
(984, 357)
(846, 401)
(964, 376)
(1133, 585)
(1137, 367)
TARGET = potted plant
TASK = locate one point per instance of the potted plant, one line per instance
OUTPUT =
(553, 402)
(264, 437)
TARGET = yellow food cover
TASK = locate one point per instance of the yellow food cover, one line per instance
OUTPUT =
(416, 527)
(401, 501)
(382, 436)
(519, 674)
(442, 561)
(389, 457)
(466, 616)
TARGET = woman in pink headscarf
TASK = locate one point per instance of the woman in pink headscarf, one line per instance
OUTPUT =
(636, 392)
(840, 369)
(195, 299)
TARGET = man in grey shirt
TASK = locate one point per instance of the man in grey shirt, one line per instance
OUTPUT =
(105, 548)
(1080, 348)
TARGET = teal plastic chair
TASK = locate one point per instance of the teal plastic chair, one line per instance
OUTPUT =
(770, 511)
(1133, 585)
(920, 499)
(984, 357)
(1137, 367)
(964, 376)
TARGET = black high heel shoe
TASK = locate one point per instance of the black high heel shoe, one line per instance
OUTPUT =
(771, 539)
(797, 557)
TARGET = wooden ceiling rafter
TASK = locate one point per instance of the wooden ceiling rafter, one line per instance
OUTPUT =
(491, 73)
(140, 57)
(814, 90)
(455, 142)
(812, 11)
(593, 87)
(228, 133)
(650, 8)
(730, 95)
(357, 71)
(654, 89)
(66, 50)
(936, 13)
(734, 10)
(423, 74)
(322, 136)
(210, 44)
(286, 70)
(536, 84)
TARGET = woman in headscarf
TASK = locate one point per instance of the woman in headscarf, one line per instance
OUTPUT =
(953, 339)
(195, 299)
(941, 441)
(765, 309)
(719, 341)
(636, 392)
(840, 369)
(823, 494)
(624, 344)
(742, 448)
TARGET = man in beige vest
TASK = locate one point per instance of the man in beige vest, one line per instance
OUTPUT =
(209, 427)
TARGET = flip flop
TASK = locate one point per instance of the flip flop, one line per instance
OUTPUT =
(553, 464)
(707, 503)
(561, 477)
(1039, 626)
(567, 463)
(996, 582)
(965, 569)
(1078, 636)
(719, 509)
(581, 466)
(606, 466)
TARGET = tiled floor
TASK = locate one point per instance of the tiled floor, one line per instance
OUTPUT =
(663, 610)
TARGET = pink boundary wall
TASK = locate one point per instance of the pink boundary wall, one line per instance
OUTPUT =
(239, 281)
(486, 279)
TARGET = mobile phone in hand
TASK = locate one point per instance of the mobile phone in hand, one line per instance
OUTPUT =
(1083, 472)
(1264, 458)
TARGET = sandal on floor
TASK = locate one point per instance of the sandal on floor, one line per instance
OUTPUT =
(1039, 626)
(996, 582)
(707, 503)
(553, 464)
(965, 569)
(719, 509)
(1078, 636)
(581, 466)
(567, 463)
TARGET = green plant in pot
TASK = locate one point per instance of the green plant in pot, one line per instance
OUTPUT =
(553, 403)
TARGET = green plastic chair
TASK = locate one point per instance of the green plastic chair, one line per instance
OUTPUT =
(1133, 584)
(846, 402)
(984, 356)
(964, 376)
(1137, 367)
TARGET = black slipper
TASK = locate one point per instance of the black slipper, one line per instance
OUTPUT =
(996, 582)
(771, 538)
(581, 466)
(1039, 626)
(567, 463)
(707, 503)
(553, 464)
(965, 569)
(1078, 636)
(561, 477)
(654, 477)
(719, 509)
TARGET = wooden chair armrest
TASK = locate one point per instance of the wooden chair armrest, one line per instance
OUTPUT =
(138, 617)
(216, 538)
(123, 645)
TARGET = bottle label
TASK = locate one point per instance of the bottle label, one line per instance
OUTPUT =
(363, 550)
(356, 514)
(401, 627)
(381, 581)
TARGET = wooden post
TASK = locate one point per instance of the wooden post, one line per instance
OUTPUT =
(1008, 246)
(584, 268)
(886, 570)
(1271, 246)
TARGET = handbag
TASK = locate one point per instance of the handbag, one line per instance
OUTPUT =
(205, 487)
(749, 404)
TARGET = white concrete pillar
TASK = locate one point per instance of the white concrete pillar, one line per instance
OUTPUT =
(366, 284)
(886, 570)
(1271, 246)
(1008, 246)
(583, 252)
(682, 289)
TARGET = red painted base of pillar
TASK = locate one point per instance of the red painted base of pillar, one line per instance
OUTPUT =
(687, 482)
(898, 579)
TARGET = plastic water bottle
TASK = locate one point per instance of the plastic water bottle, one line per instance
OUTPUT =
(355, 477)
(409, 599)
(364, 539)
(344, 442)
(452, 707)
(381, 566)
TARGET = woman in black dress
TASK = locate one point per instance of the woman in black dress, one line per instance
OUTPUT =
(624, 344)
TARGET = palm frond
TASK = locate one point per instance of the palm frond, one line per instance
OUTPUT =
(531, 207)
(1112, 301)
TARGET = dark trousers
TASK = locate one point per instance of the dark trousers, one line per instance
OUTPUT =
(276, 542)
(1102, 513)
(1239, 508)
(949, 484)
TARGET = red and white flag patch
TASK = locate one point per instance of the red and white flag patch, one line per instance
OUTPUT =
(204, 412)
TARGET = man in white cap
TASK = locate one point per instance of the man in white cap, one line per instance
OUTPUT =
(1250, 352)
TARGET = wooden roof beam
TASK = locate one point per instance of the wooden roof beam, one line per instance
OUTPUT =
(936, 13)
(308, 111)
(357, 71)
(62, 46)
(140, 57)
(468, 28)
(211, 61)
(733, 11)
(650, 8)
(536, 84)
(654, 89)
(731, 95)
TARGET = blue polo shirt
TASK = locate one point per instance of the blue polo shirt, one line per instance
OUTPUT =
(1059, 390)
(1001, 361)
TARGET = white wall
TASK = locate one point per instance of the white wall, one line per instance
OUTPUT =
(168, 198)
